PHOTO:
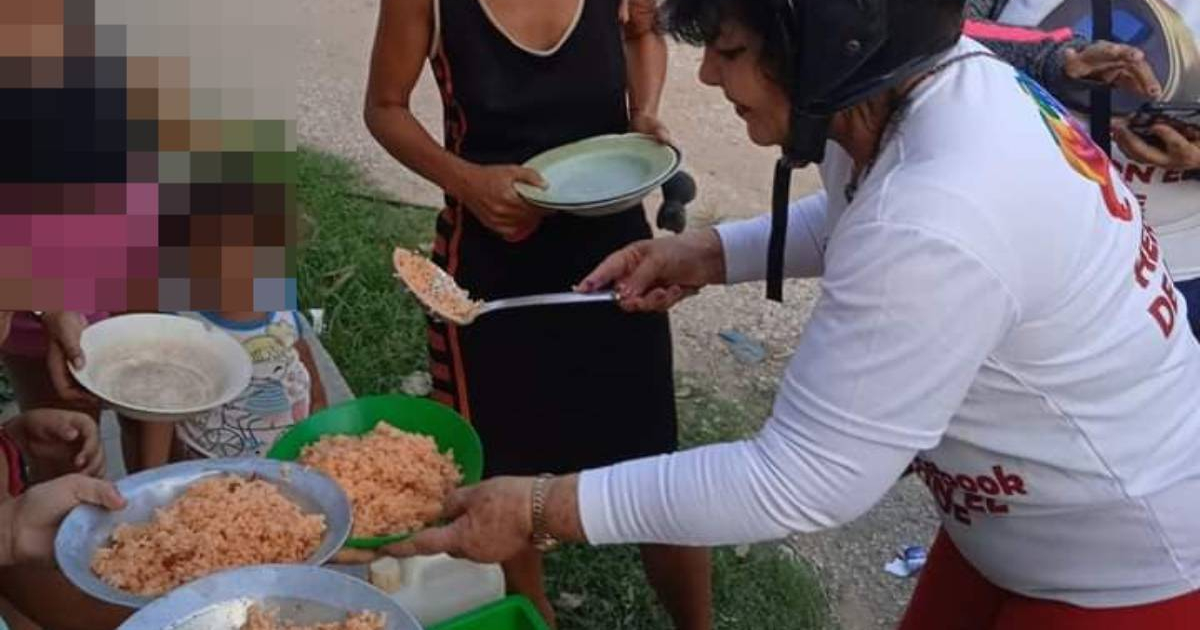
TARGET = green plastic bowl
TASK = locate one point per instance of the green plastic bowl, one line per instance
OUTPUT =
(511, 613)
(415, 415)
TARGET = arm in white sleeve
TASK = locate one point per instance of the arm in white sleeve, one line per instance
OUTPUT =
(745, 242)
(904, 322)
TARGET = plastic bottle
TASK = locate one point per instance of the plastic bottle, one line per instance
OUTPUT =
(437, 588)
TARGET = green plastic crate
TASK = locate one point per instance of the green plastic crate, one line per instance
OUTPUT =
(511, 613)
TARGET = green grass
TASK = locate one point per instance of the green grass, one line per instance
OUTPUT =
(762, 590)
(374, 331)
(376, 335)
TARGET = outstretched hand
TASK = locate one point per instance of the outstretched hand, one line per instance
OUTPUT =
(654, 275)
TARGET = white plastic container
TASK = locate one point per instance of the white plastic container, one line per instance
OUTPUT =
(437, 588)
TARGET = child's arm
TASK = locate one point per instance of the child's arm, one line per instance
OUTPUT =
(154, 448)
(318, 397)
(145, 445)
(7, 515)
(57, 442)
(16, 619)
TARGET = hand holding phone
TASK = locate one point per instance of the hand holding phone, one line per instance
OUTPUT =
(1163, 134)
(1182, 117)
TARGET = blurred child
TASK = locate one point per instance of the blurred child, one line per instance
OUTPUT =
(284, 389)
(57, 442)
(57, 439)
(35, 355)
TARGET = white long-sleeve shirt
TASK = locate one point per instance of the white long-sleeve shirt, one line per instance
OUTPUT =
(991, 305)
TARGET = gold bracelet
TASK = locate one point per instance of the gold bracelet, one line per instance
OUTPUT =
(543, 540)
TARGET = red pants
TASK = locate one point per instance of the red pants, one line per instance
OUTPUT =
(952, 595)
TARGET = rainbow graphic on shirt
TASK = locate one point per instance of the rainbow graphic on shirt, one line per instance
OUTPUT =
(1077, 147)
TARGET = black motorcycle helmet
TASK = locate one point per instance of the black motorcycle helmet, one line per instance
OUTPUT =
(829, 55)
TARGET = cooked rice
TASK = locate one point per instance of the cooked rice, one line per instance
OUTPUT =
(259, 619)
(435, 288)
(397, 481)
(217, 523)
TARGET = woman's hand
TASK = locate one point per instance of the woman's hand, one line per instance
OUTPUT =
(649, 125)
(63, 331)
(1116, 65)
(66, 440)
(1181, 148)
(34, 516)
(489, 192)
(654, 275)
(493, 522)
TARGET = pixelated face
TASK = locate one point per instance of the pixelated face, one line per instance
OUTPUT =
(155, 169)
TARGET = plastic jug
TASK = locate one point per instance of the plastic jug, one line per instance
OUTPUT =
(437, 588)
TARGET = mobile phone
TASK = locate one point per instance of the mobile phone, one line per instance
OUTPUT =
(1183, 117)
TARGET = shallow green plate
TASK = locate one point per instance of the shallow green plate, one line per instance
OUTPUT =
(415, 415)
(600, 170)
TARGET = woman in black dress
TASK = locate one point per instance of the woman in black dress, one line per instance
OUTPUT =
(552, 389)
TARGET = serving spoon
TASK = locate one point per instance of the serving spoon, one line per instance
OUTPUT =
(541, 299)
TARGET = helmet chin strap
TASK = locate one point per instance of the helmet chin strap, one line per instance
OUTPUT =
(780, 191)
(1101, 114)
(806, 145)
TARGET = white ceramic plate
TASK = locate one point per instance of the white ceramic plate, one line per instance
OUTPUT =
(160, 367)
(600, 172)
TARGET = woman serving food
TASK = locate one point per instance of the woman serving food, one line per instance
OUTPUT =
(991, 305)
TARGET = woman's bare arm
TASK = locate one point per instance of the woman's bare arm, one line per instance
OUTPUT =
(646, 57)
(402, 41)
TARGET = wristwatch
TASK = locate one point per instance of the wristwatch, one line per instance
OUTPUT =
(543, 540)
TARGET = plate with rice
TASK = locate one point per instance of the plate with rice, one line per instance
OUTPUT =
(185, 521)
(397, 457)
(274, 597)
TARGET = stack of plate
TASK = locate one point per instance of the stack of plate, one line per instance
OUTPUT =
(298, 594)
(602, 175)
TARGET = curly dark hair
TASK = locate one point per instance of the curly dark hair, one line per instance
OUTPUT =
(698, 22)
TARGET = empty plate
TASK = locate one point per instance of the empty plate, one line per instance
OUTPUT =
(162, 367)
(600, 172)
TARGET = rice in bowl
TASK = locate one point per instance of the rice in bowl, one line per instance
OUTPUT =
(217, 523)
(397, 481)
(260, 619)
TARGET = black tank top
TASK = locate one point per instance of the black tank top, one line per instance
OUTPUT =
(505, 104)
(513, 104)
(526, 377)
